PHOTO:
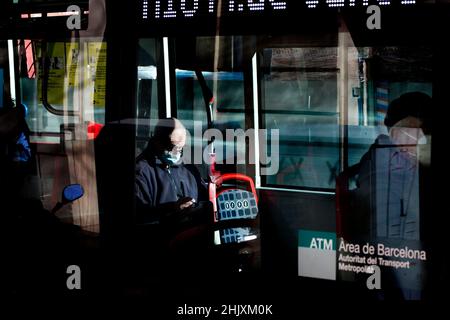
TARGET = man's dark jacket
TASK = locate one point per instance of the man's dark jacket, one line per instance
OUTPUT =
(157, 184)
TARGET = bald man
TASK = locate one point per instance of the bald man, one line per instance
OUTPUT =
(164, 186)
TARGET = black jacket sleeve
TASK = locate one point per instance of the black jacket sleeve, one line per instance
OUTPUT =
(145, 188)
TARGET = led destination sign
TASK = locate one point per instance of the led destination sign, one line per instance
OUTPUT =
(170, 9)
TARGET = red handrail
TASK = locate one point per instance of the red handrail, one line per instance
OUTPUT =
(237, 176)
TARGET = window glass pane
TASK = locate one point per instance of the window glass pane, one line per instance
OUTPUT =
(329, 104)
(62, 82)
(229, 103)
(300, 99)
(147, 92)
(222, 86)
(309, 153)
(386, 73)
(63, 87)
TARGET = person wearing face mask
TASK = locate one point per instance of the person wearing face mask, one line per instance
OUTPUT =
(164, 185)
(392, 169)
(391, 202)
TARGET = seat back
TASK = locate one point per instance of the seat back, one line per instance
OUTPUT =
(237, 211)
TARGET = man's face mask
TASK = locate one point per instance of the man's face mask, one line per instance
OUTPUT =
(173, 156)
(407, 136)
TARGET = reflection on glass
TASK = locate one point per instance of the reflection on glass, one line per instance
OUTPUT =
(209, 76)
(147, 92)
(300, 90)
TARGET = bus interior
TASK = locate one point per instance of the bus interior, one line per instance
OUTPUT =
(309, 88)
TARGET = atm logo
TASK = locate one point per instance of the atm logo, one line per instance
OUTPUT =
(317, 254)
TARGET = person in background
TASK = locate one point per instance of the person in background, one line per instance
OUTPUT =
(37, 239)
(390, 204)
(14, 146)
(164, 185)
(393, 168)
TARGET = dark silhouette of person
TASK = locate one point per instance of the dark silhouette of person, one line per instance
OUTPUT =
(390, 204)
(39, 245)
(389, 171)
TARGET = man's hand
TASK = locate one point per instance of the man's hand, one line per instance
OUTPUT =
(184, 203)
(174, 210)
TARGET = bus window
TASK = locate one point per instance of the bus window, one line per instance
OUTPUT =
(147, 91)
(228, 103)
(388, 72)
(62, 82)
(300, 99)
(329, 104)
(63, 85)
(218, 60)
